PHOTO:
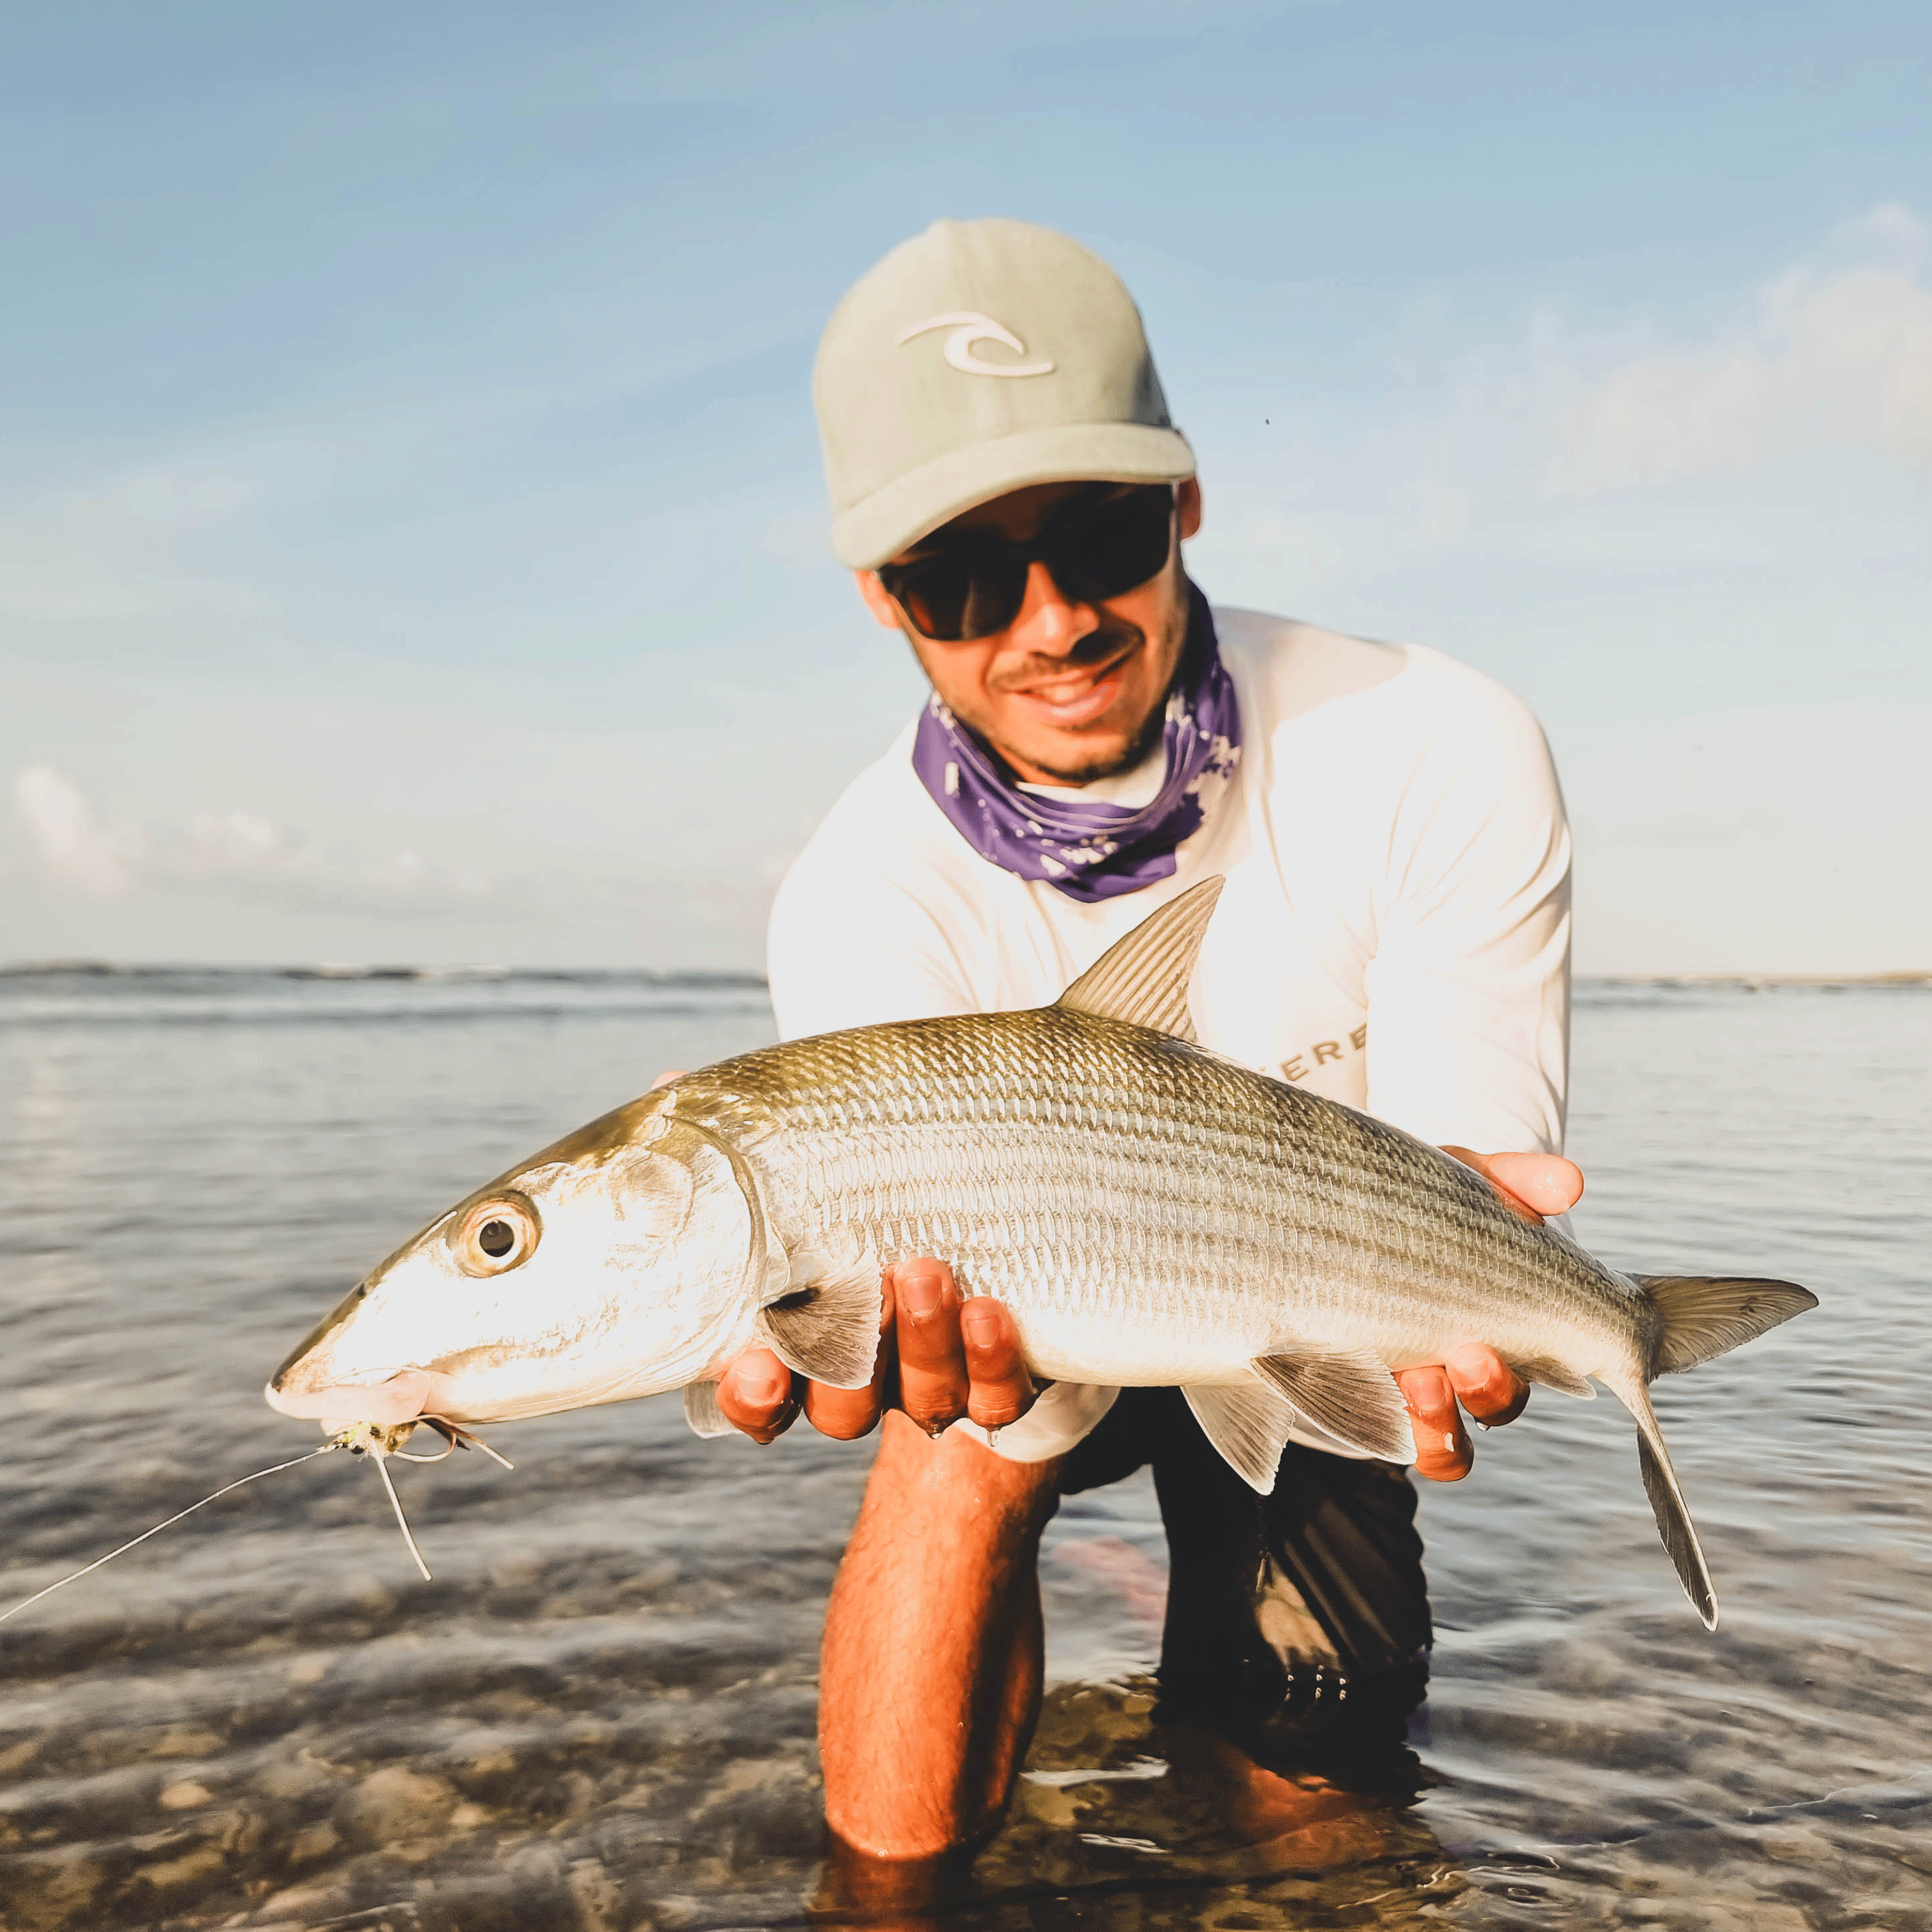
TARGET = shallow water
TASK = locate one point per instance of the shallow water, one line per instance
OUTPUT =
(600, 1714)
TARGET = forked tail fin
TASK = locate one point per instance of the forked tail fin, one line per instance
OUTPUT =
(1708, 1315)
(1702, 1316)
(1667, 1505)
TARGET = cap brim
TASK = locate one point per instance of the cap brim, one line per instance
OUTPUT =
(908, 507)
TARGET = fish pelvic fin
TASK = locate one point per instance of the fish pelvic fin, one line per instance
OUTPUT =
(701, 1410)
(1667, 1504)
(1142, 979)
(828, 1328)
(1349, 1393)
(1249, 1423)
(1707, 1315)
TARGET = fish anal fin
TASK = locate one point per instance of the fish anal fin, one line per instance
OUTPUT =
(1706, 1315)
(701, 1410)
(1547, 1373)
(1142, 979)
(828, 1329)
(1248, 1423)
(1350, 1393)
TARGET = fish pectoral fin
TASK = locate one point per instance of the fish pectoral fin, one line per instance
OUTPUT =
(1348, 1393)
(830, 1329)
(1704, 1316)
(1248, 1423)
(701, 1410)
(1142, 979)
(1548, 1373)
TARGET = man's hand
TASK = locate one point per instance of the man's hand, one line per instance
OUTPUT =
(1534, 1185)
(941, 1356)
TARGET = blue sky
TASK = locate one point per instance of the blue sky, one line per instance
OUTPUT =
(412, 537)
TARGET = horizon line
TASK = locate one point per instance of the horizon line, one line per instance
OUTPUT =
(328, 970)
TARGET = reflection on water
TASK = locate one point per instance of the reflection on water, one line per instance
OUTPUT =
(601, 1713)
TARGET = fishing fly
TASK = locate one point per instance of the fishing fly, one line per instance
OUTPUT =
(359, 1438)
(380, 1441)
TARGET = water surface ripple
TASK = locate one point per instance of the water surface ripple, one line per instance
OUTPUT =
(600, 1714)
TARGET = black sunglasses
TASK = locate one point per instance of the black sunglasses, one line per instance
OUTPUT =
(1095, 545)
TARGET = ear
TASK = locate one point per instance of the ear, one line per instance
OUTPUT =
(1187, 505)
(877, 600)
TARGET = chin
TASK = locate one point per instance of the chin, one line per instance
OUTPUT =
(1079, 765)
(1079, 758)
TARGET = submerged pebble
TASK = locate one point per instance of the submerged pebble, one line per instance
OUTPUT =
(602, 1713)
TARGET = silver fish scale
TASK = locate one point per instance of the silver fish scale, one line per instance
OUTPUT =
(1086, 1171)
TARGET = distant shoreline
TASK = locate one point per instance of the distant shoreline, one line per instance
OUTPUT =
(1917, 977)
(721, 978)
(330, 971)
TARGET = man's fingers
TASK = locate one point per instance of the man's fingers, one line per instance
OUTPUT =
(933, 1386)
(1442, 1449)
(1490, 1389)
(754, 1395)
(1545, 1182)
(665, 1079)
(1534, 1184)
(1000, 1390)
(848, 1414)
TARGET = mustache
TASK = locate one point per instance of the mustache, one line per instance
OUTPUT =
(1113, 638)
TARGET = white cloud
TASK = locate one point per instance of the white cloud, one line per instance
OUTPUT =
(238, 855)
(1838, 358)
(78, 853)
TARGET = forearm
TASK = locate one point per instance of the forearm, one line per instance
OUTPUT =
(930, 1680)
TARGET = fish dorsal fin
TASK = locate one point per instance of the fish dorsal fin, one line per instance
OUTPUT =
(1143, 978)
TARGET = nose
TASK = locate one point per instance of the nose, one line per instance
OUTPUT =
(1047, 623)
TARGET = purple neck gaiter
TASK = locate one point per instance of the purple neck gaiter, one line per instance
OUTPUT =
(1090, 850)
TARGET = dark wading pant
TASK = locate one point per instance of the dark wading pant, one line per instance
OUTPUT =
(1297, 1624)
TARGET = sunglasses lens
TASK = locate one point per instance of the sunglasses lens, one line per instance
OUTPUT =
(961, 593)
(970, 588)
(1108, 548)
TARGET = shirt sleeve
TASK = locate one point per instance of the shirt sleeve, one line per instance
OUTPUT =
(1469, 992)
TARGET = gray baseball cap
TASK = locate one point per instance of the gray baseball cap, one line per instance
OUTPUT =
(975, 358)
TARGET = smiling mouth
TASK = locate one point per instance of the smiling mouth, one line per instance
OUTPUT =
(1089, 694)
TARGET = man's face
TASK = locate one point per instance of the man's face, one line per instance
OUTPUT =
(1068, 692)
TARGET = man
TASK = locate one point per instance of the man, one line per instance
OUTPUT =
(1393, 933)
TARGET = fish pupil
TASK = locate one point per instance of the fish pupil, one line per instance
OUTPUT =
(495, 1238)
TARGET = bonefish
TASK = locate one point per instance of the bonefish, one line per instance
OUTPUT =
(1150, 1213)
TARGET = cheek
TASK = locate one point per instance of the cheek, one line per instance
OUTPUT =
(959, 673)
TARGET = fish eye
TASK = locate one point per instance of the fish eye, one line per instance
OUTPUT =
(495, 1235)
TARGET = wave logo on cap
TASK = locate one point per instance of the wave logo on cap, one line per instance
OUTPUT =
(970, 328)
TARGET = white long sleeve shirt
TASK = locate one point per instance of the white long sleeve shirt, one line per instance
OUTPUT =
(1394, 931)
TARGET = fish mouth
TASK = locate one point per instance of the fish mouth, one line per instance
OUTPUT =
(401, 1397)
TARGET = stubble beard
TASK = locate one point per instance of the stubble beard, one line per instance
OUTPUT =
(1113, 637)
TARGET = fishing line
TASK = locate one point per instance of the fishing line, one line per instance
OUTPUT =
(274, 1469)
(358, 1440)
